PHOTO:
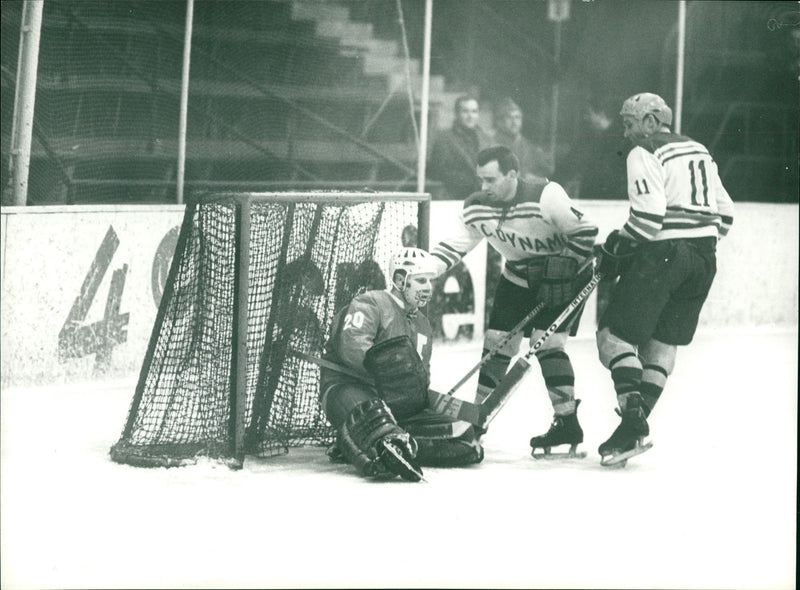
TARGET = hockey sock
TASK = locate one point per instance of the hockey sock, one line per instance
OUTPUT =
(491, 373)
(626, 372)
(559, 378)
(654, 378)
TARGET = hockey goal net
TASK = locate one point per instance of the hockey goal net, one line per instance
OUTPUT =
(252, 289)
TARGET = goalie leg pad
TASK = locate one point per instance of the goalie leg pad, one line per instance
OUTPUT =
(450, 452)
(369, 424)
(443, 442)
(339, 399)
(400, 375)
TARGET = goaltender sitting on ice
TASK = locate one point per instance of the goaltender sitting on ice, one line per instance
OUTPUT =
(374, 385)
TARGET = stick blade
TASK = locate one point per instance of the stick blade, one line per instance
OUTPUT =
(500, 395)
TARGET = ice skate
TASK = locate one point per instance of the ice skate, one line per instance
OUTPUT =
(565, 430)
(628, 439)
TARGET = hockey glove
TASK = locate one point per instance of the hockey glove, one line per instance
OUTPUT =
(613, 257)
(554, 279)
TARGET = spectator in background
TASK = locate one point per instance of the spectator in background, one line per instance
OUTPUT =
(454, 152)
(533, 160)
(595, 166)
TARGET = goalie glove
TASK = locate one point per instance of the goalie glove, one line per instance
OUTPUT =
(400, 375)
(614, 255)
(371, 440)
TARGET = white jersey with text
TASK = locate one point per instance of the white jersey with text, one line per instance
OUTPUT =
(541, 220)
(675, 191)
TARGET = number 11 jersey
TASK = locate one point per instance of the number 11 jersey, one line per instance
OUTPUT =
(675, 191)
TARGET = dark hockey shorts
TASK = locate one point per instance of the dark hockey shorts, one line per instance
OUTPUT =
(512, 303)
(662, 292)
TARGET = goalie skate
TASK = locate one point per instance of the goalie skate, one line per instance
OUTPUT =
(404, 469)
(619, 458)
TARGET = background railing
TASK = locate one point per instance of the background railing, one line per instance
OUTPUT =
(290, 91)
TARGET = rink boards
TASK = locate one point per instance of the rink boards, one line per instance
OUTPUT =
(81, 284)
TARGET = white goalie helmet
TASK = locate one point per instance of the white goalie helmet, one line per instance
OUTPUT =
(646, 103)
(415, 263)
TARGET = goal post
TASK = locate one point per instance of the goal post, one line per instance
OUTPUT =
(252, 289)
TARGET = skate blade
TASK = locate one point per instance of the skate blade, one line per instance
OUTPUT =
(411, 472)
(546, 453)
(621, 459)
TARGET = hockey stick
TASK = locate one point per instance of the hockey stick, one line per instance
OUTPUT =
(441, 403)
(509, 336)
(500, 395)
(498, 347)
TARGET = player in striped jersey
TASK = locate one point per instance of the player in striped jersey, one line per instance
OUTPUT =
(544, 238)
(665, 255)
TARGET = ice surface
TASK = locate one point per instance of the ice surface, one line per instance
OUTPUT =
(712, 505)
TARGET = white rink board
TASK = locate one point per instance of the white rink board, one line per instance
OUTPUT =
(47, 253)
